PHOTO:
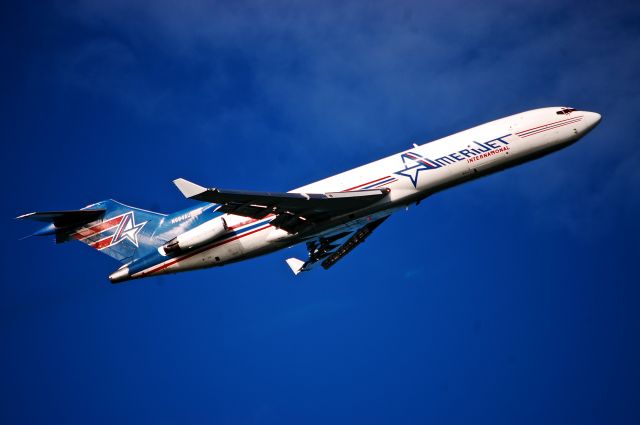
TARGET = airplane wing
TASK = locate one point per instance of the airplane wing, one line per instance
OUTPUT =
(329, 250)
(293, 211)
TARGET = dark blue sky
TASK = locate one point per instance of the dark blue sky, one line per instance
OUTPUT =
(512, 299)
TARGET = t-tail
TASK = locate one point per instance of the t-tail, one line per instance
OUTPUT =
(122, 232)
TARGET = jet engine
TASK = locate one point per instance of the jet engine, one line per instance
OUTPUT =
(197, 236)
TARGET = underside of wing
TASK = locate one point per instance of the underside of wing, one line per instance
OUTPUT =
(293, 211)
(327, 251)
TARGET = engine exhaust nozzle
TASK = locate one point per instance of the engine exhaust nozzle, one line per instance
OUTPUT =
(120, 275)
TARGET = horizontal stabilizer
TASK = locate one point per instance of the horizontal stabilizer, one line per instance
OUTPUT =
(62, 222)
(122, 232)
(63, 219)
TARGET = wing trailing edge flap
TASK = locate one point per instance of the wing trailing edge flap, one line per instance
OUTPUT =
(293, 211)
(327, 252)
(295, 265)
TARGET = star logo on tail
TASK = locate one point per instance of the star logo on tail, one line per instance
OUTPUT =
(128, 229)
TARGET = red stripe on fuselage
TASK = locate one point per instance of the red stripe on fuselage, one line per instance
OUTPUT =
(389, 182)
(177, 260)
(365, 184)
(550, 123)
(253, 220)
(550, 128)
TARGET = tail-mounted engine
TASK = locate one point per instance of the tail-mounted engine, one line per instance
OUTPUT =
(197, 236)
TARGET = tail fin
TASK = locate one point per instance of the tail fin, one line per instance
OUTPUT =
(115, 229)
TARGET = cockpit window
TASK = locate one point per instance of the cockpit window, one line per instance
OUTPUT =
(565, 111)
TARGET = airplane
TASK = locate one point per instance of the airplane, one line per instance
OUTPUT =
(331, 216)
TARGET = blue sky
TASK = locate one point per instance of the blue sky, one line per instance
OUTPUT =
(512, 299)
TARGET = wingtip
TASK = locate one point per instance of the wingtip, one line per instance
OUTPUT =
(188, 189)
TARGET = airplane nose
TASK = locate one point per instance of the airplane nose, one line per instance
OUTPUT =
(591, 119)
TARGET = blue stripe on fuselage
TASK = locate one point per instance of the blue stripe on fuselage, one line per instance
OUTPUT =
(156, 258)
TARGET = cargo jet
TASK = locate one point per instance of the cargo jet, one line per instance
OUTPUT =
(331, 216)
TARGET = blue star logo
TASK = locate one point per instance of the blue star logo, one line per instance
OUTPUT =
(413, 171)
(128, 229)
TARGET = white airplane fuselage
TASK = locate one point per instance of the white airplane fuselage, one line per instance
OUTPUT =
(410, 176)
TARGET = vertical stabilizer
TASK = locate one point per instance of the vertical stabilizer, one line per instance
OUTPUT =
(117, 230)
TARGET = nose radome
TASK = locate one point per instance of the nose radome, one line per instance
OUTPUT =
(591, 119)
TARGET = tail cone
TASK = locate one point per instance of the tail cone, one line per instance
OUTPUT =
(120, 275)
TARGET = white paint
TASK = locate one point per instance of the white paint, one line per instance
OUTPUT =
(525, 135)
